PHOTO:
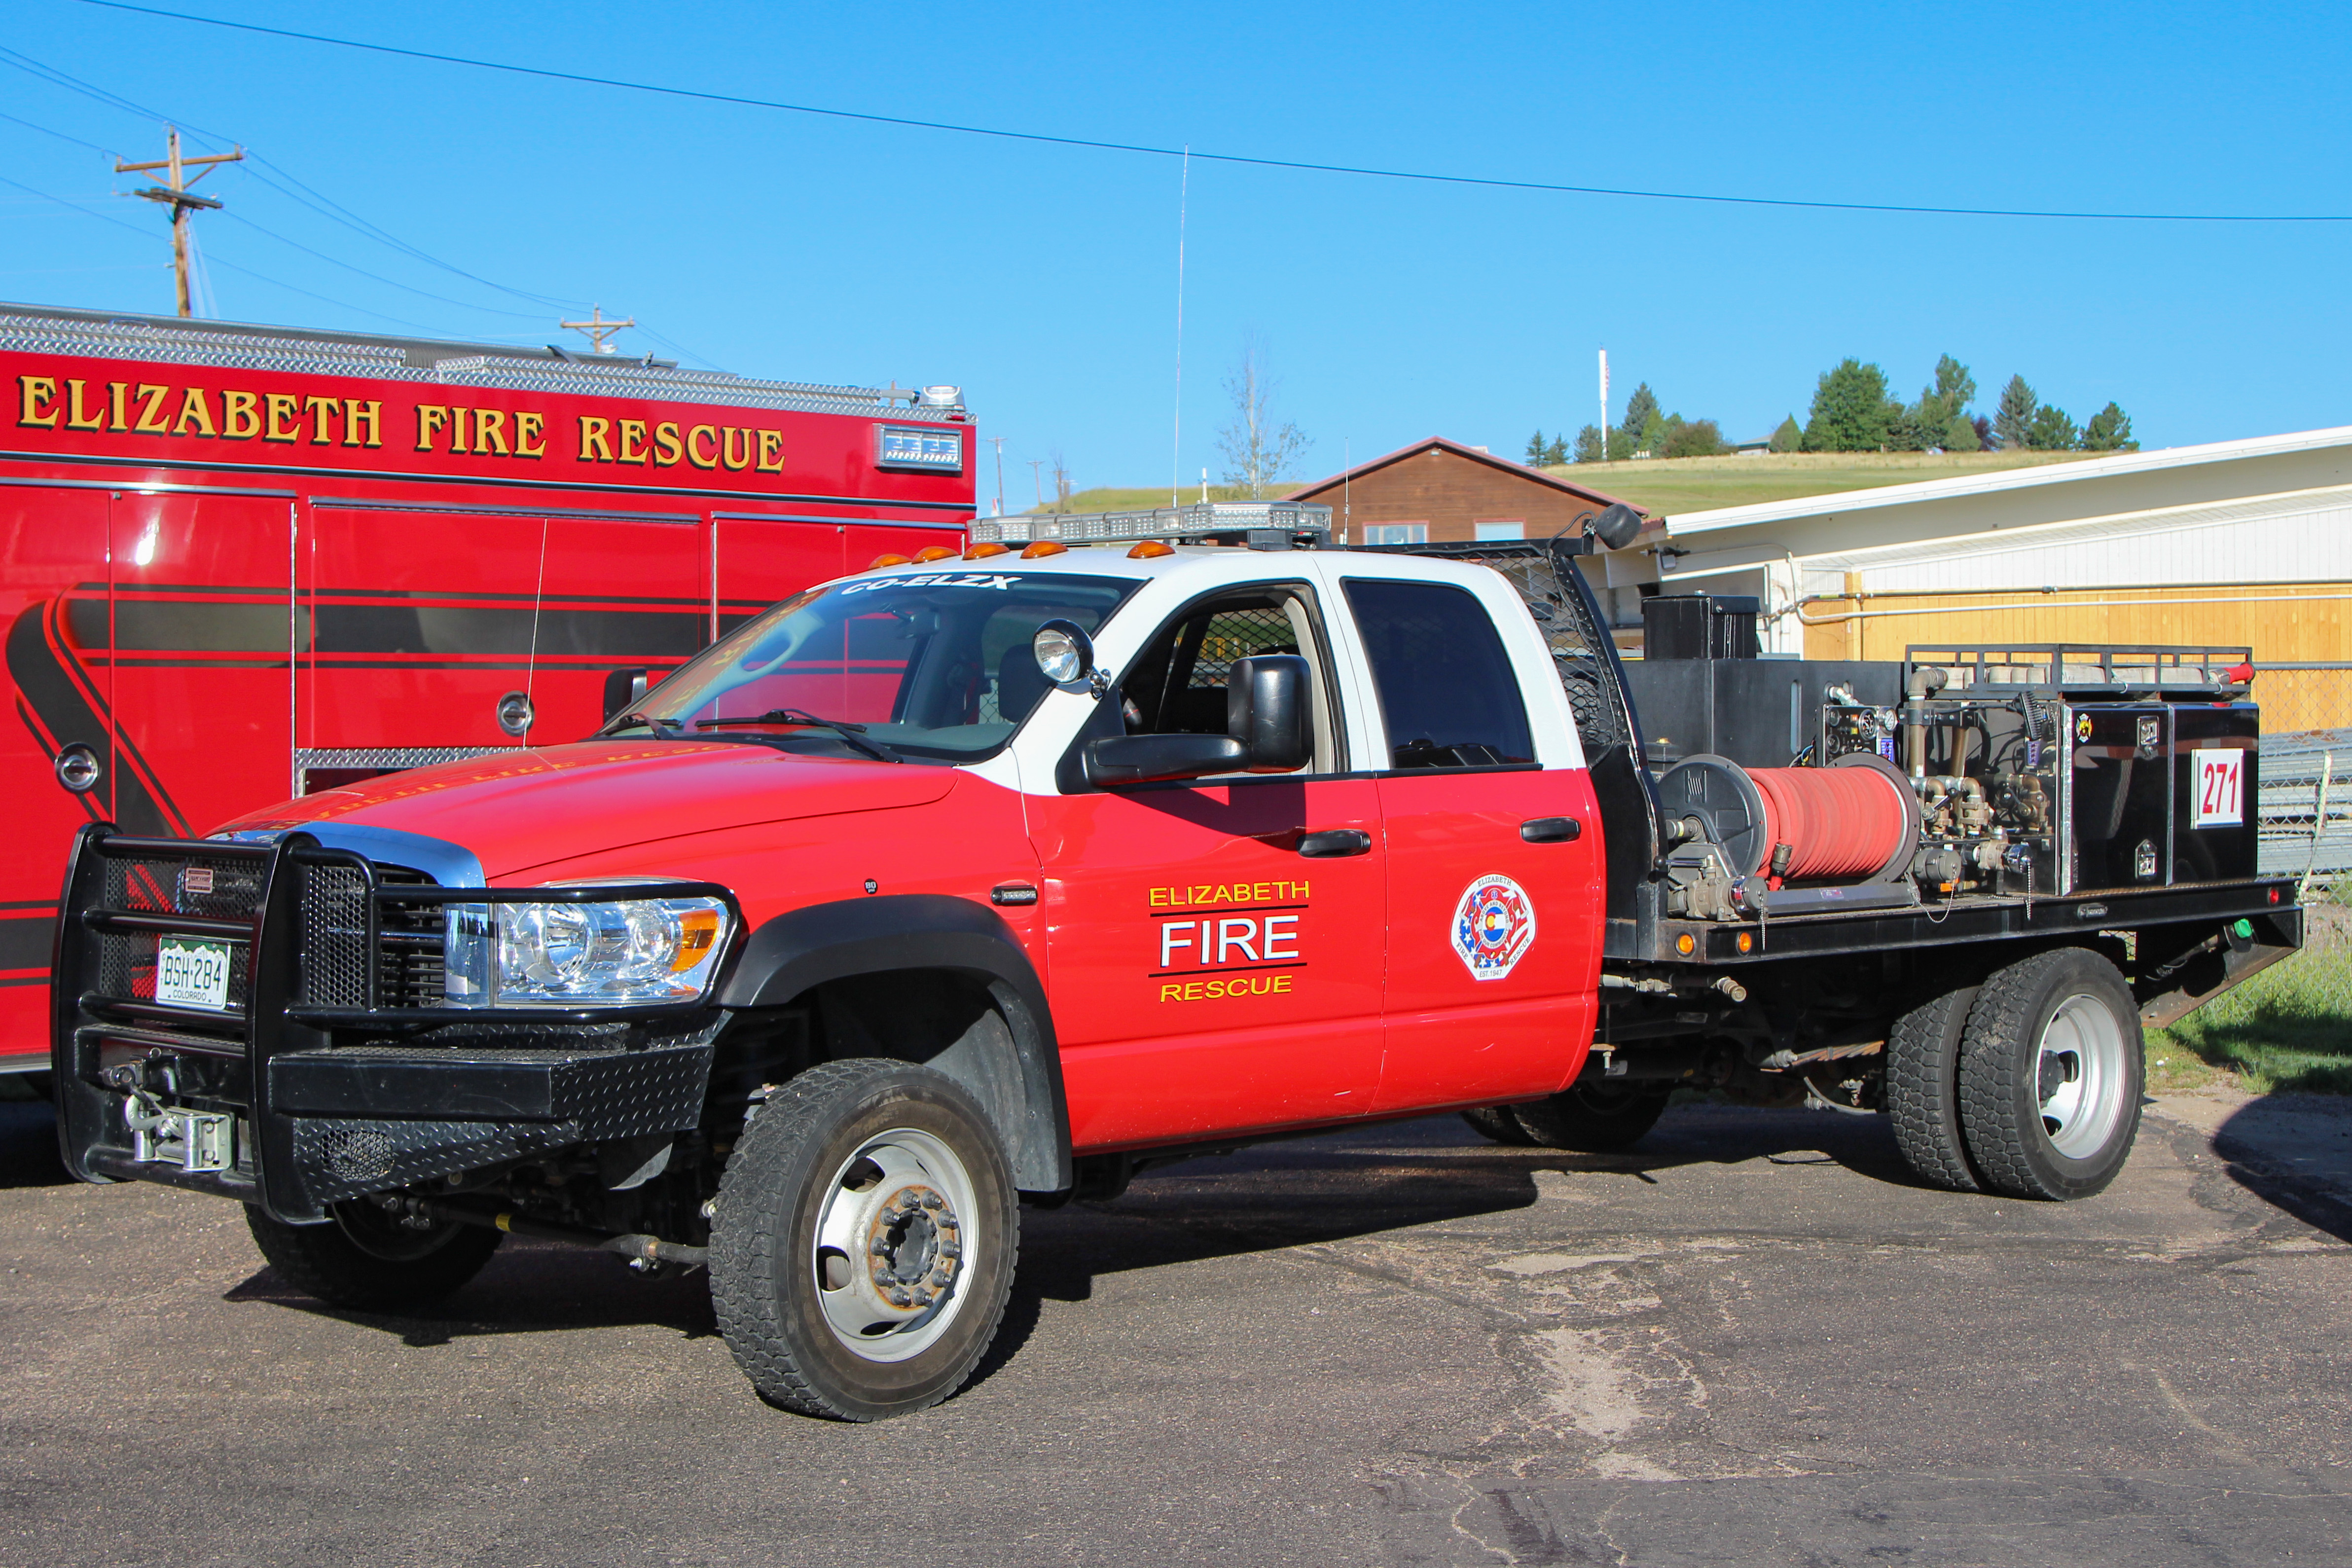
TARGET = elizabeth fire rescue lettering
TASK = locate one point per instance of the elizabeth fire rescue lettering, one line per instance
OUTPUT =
(1246, 946)
(291, 418)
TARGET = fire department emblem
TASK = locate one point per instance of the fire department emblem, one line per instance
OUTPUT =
(1493, 926)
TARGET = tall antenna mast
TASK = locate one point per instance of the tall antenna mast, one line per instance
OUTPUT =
(175, 193)
(1176, 440)
(998, 442)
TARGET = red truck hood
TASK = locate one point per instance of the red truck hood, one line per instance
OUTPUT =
(527, 808)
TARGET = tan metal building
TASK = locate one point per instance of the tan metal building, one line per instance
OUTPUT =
(1441, 491)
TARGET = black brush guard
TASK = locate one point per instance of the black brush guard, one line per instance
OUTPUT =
(338, 1083)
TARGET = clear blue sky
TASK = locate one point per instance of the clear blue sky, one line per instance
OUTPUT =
(1043, 279)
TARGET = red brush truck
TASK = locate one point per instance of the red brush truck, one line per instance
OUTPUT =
(979, 879)
(242, 562)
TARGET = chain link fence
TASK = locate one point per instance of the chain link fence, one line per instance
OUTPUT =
(2290, 1026)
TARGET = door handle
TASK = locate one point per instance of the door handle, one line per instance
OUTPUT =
(1551, 830)
(1334, 842)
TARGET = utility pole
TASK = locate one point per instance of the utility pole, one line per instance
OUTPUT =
(599, 330)
(175, 194)
(1036, 464)
(998, 442)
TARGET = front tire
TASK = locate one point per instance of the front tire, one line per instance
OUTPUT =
(1594, 1119)
(366, 1260)
(2050, 1076)
(865, 1241)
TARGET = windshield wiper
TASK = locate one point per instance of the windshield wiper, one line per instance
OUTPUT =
(852, 735)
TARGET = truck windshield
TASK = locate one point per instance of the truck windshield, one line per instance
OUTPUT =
(931, 667)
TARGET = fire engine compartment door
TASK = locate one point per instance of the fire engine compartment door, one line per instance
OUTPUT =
(201, 641)
(1207, 976)
(52, 563)
(426, 621)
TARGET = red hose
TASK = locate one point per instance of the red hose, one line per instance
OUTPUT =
(1839, 823)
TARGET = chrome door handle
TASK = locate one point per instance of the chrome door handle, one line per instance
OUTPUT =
(1551, 830)
(1334, 842)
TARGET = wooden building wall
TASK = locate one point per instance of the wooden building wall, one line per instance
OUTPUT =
(2289, 623)
(1452, 494)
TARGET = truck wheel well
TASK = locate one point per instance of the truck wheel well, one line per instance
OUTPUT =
(973, 1028)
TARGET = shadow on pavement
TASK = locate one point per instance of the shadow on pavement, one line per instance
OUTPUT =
(29, 1146)
(2294, 1152)
(1301, 1192)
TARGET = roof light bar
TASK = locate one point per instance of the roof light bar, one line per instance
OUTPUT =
(1261, 525)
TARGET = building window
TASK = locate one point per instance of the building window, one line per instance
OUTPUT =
(1504, 528)
(1396, 533)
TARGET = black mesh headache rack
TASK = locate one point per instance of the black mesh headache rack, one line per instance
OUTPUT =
(329, 1064)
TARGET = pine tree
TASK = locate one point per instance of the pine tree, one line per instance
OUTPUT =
(2052, 431)
(2013, 422)
(1787, 437)
(2109, 431)
(1557, 453)
(1960, 435)
(1536, 449)
(1640, 409)
(1589, 445)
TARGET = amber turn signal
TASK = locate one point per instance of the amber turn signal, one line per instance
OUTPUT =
(985, 548)
(1746, 942)
(1685, 945)
(932, 553)
(885, 559)
(1151, 550)
(1045, 547)
(697, 929)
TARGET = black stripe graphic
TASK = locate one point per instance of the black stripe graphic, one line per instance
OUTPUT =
(59, 694)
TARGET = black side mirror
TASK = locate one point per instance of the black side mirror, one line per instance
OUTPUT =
(1266, 710)
(623, 690)
(1617, 525)
(1267, 731)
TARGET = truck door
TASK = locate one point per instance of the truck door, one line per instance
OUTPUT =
(1493, 910)
(1215, 947)
(53, 591)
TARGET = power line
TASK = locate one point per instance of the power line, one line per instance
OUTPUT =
(302, 194)
(232, 267)
(1492, 182)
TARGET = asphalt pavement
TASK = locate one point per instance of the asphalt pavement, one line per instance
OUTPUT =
(1753, 1341)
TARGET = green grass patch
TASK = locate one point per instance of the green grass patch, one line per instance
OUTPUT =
(1677, 485)
(2289, 1027)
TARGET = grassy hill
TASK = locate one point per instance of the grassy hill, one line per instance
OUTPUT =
(1701, 484)
(1677, 485)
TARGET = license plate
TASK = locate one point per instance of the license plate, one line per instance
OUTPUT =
(190, 973)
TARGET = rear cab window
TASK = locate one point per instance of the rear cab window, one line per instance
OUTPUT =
(1449, 697)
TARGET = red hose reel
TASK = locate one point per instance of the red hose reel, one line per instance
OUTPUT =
(1853, 821)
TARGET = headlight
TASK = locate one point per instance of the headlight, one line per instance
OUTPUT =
(611, 952)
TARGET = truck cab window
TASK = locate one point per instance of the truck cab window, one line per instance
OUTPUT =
(1177, 686)
(1448, 694)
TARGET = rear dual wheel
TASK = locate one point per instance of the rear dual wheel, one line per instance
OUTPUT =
(2029, 1087)
(1585, 1118)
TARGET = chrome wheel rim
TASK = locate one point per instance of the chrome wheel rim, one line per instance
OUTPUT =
(2080, 1077)
(894, 1243)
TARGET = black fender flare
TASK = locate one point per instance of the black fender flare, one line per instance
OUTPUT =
(794, 953)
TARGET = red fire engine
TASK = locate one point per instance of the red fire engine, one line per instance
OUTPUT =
(241, 563)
